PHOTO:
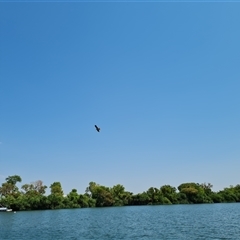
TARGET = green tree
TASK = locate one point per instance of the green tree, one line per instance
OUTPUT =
(195, 193)
(207, 188)
(141, 199)
(35, 188)
(34, 195)
(83, 200)
(90, 190)
(102, 195)
(237, 192)
(9, 187)
(56, 199)
(170, 193)
(228, 194)
(73, 198)
(13, 179)
(119, 196)
(154, 196)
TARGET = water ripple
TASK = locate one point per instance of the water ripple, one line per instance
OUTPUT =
(204, 221)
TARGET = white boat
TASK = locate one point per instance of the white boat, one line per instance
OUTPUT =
(4, 209)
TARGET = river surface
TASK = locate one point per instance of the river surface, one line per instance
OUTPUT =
(203, 221)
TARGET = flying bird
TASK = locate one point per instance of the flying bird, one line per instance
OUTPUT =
(97, 128)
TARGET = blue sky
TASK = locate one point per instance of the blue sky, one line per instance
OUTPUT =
(161, 80)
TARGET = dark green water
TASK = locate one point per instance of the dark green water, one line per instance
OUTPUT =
(206, 221)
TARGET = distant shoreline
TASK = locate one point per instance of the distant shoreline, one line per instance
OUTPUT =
(32, 196)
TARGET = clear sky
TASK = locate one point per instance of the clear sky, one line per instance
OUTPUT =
(161, 80)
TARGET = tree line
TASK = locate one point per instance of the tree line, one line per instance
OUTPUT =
(32, 196)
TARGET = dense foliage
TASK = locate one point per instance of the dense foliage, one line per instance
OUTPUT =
(32, 196)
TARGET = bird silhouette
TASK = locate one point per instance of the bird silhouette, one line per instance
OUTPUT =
(97, 128)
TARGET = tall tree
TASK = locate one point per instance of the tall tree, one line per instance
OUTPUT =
(13, 179)
(9, 187)
(56, 197)
(170, 193)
